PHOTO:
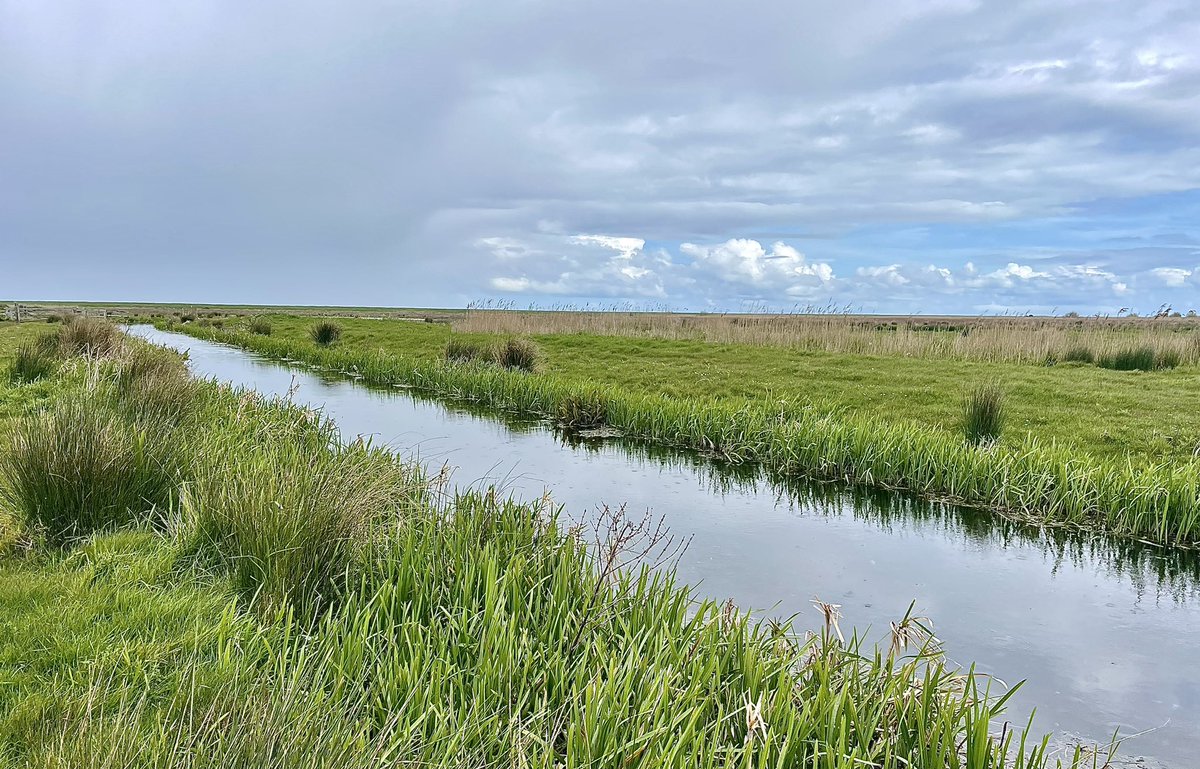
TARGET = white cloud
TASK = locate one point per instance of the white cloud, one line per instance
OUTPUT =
(747, 262)
(1171, 276)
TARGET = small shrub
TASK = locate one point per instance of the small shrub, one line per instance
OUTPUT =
(78, 469)
(92, 337)
(54, 318)
(260, 326)
(1141, 358)
(522, 354)
(325, 333)
(983, 415)
(187, 318)
(34, 360)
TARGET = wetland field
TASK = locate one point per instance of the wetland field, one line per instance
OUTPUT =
(238, 536)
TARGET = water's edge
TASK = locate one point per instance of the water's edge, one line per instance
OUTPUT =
(1099, 626)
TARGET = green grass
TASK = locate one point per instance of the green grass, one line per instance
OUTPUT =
(983, 415)
(443, 631)
(1098, 412)
(325, 332)
(1027, 474)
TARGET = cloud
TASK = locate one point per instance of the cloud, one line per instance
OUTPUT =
(866, 151)
(746, 262)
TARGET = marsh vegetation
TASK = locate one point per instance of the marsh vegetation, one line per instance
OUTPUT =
(697, 395)
(322, 604)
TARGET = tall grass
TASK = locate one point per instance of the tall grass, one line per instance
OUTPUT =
(1016, 339)
(516, 354)
(1141, 358)
(521, 354)
(416, 629)
(293, 520)
(325, 332)
(983, 415)
(80, 468)
(1028, 479)
(93, 337)
(259, 325)
(34, 360)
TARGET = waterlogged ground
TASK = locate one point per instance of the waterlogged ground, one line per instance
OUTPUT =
(1102, 631)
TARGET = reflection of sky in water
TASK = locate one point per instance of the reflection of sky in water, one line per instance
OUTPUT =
(1099, 628)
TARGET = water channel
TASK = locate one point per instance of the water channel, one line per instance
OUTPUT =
(1105, 632)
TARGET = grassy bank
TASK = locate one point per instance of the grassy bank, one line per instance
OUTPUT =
(281, 599)
(1028, 476)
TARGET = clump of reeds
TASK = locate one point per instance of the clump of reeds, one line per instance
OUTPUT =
(983, 415)
(519, 354)
(1140, 358)
(35, 360)
(292, 520)
(153, 386)
(459, 350)
(325, 333)
(259, 325)
(91, 337)
(79, 468)
(522, 354)
(1079, 354)
(582, 411)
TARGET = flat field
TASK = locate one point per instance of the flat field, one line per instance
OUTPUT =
(1097, 411)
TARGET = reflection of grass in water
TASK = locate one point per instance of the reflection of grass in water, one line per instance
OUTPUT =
(1174, 571)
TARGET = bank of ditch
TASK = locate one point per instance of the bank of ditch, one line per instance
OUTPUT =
(1157, 501)
(235, 586)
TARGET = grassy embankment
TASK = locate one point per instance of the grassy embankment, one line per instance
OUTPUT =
(200, 577)
(1083, 445)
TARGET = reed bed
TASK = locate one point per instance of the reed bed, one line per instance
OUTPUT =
(465, 630)
(1024, 340)
(1154, 500)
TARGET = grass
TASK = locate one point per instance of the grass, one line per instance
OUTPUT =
(1027, 474)
(79, 468)
(1141, 358)
(1098, 413)
(438, 630)
(983, 415)
(325, 333)
(34, 360)
(294, 520)
(259, 325)
(994, 339)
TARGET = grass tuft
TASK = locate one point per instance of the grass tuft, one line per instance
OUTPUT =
(1141, 358)
(325, 333)
(91, 337)
(1079, 354)
(520, 354)
(983, 415)
(260, 326)
(292, 519)
(34, 360)
(582, 411)
(80, 468)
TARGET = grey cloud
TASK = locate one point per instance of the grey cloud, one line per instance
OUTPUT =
(370, 151)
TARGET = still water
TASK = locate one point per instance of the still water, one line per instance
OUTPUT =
(1105, 632)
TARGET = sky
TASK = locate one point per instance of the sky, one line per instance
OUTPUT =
(908, 156)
